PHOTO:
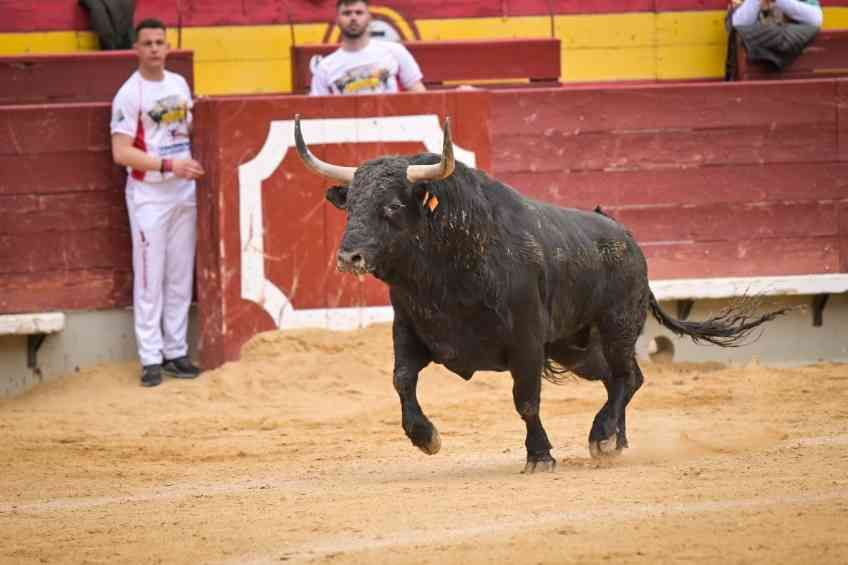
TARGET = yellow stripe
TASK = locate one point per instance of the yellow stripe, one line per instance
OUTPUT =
(835, 18)
(238, 43)
(596, 47)
(691, 45)
(484, 28)
(240, 59)
(48, 42)
(306, 34)
(242, 77)
(619, 31)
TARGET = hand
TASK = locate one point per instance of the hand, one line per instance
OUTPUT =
(187, 169)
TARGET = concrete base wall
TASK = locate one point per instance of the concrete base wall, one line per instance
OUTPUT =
(89, 338)
(100, 336)
(788, 340)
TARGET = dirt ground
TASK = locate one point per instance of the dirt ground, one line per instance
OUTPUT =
(296, 454)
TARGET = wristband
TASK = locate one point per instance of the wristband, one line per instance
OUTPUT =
(166, 166)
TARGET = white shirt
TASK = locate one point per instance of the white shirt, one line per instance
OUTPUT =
(377, 68)
(157, 115)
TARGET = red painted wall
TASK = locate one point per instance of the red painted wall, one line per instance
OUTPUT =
(47, 15)
(714, 179)
(64, 236)
(76, 77)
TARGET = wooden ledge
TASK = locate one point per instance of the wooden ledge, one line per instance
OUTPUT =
(28, 324)
(683, 289)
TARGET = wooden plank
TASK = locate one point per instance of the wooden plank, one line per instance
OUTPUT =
(826, 56)
(661, 107)
(730, 222)
(664, 148)
(91, 76)
(73, 171)
(32, 323)
(34, 214)
(843, 234)
(54, 128)
(85, 289)
(746, 258)
(842, 118)
(693, 185)
(68, 250)
(729, 287)
(471, 60)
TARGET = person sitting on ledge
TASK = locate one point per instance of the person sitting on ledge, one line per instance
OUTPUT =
(774, 32)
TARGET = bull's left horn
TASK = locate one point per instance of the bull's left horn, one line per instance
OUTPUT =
(441, 170)
(335, 172)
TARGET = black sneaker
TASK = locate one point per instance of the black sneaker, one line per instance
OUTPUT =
(151, 375)
(181, 368)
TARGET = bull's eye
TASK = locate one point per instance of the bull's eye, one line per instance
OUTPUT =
(393, 207)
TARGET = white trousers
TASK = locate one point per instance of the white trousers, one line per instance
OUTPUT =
(801, 12)
(164, 236)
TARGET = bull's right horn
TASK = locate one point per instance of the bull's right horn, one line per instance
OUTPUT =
(335, 172)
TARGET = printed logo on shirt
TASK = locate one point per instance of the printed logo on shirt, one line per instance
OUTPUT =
(171, 113)
(362, 80)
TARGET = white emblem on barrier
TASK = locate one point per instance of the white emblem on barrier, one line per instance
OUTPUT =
(255, 286)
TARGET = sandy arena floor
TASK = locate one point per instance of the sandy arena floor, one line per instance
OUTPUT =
(296, 454)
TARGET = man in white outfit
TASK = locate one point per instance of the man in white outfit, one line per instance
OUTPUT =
(801, 11)
(363, 65)
(151, 124)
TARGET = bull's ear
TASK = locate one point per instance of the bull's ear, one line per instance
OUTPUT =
(337, 196)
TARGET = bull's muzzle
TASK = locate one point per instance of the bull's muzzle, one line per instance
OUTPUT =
(351, 262)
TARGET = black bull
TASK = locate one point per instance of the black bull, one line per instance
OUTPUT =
(483, 278)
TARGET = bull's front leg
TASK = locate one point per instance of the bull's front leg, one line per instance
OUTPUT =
(410, 358)
(526, 370)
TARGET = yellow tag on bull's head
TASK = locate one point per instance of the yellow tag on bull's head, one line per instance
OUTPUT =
(433, 202)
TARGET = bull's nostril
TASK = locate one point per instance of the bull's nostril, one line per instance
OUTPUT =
(351, 259)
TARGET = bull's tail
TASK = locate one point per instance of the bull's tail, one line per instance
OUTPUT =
(731, 327)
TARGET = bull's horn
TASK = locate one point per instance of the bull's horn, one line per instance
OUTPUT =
(441, 170)
(336, 172)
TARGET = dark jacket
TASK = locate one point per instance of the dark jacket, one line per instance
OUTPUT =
(112, 20)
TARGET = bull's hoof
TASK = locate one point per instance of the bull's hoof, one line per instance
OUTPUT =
(540, 463)
(433, 446)
(604, 448)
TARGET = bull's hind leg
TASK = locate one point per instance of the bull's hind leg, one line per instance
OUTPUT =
(608, 435)
(526, 393)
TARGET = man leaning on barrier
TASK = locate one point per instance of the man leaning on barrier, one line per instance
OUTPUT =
(151, 124)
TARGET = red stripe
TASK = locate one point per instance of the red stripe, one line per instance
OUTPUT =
(16, 16)
(140, 144)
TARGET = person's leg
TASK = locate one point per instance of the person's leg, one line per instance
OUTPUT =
(148, 238)
(801, 12)
(179, 278)
(746, 14)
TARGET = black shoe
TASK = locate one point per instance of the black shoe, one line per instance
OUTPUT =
(181, 368)
(151, 375)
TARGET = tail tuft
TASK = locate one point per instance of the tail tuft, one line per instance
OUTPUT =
(734, 326)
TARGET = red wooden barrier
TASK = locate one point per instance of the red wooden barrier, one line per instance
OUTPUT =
(93, 76)
(264, 239)
(826, 56)
(64, 235)
(445, 61)
(713, 179)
